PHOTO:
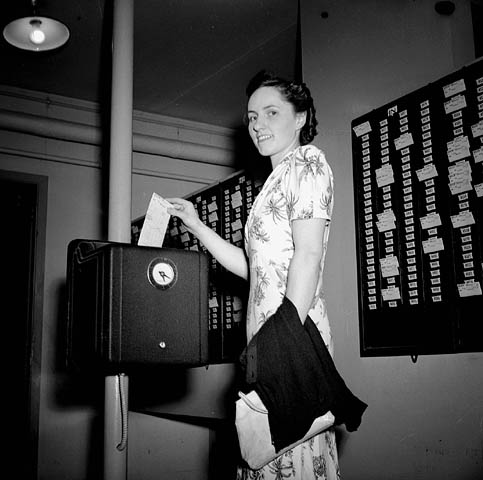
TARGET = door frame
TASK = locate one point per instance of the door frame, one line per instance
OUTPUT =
(37, 301)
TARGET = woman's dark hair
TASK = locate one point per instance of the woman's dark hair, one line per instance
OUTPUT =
(298, 94)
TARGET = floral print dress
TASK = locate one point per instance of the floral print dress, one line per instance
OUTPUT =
(300, 186)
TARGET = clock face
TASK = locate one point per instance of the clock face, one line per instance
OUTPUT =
(162, 273)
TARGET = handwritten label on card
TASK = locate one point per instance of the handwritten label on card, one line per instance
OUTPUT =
(403, 141)
(237, 236)
(236, 225)
(427, 172)
(456, 103)
(212, 217)
(389, 266)
(386, 221)
(433, 244)
(458, 148)
(477, 129)
(454, 88)
(469, 289)
(478, 155)
(384, 175)
(462, 219)
(236, 200)
(430, 221)
(213, 302)
(362, 129)
(460, 177)
(390, 293)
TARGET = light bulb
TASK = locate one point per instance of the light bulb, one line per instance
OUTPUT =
(37, 36)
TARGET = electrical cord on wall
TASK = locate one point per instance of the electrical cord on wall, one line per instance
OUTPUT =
(123, 402)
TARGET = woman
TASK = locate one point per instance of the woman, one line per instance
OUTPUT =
(286, 238)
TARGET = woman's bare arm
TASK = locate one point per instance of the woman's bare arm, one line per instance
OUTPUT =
(231, 257)
(304, 269)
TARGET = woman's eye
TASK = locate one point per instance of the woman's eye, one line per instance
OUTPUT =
(272, 113)
(251, 119)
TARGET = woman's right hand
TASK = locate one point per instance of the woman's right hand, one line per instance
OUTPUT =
(186, 211)
(231, 257)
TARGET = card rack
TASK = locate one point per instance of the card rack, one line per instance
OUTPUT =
(418, 191)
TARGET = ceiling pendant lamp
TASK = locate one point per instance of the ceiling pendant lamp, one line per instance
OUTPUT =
(36, 33)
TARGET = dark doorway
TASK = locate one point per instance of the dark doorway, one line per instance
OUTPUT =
(19, 240)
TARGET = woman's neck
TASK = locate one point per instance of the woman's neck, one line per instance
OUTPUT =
(277, 158)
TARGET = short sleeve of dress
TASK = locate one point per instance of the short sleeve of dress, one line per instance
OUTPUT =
(309, 185)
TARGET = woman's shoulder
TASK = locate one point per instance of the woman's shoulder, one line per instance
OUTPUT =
(311, 156)
(310, 149)
(309, 153)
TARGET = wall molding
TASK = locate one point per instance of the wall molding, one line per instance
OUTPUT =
(73, 120)
(94, 162)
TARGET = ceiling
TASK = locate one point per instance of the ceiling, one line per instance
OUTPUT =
(192, 58)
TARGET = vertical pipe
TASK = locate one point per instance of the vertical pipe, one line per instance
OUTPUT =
(120, 165)
(119, 222)
(115, 427)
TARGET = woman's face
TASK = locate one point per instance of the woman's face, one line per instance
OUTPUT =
(273, 124)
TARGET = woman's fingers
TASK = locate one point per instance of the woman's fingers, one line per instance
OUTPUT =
(186, 211)
(178, 205)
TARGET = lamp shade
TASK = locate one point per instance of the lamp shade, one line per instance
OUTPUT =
(36, 33)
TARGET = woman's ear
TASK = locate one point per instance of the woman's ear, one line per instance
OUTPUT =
(300, 119)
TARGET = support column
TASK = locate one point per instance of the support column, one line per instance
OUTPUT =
(119, 222)
(120, 164)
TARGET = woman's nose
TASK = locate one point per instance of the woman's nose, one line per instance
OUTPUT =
(257, 124)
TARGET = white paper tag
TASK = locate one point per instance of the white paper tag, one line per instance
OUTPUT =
(155, 222)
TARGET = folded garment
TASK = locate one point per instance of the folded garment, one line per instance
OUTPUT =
(289, 366)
